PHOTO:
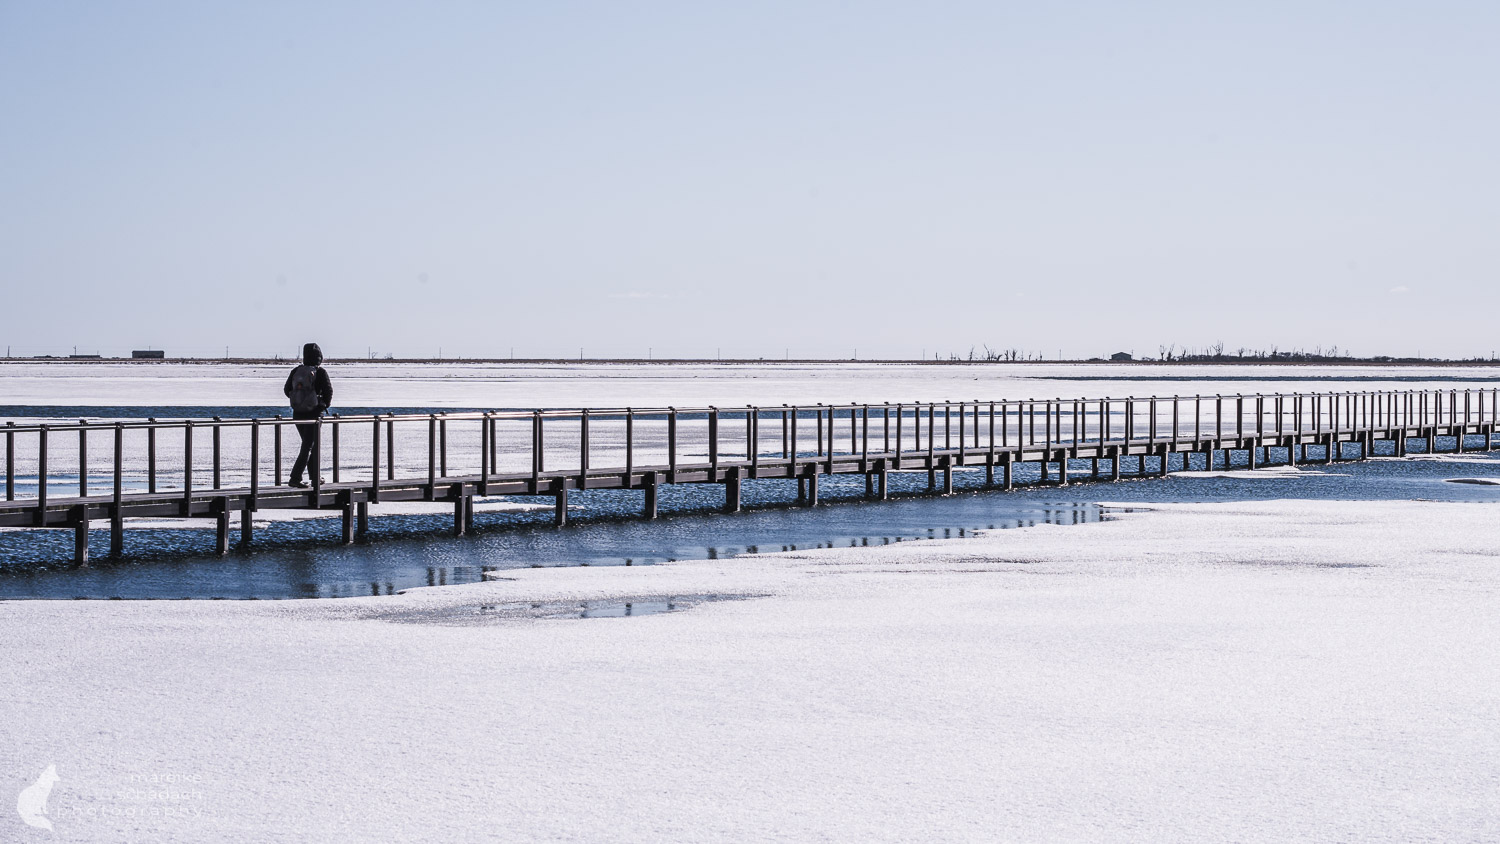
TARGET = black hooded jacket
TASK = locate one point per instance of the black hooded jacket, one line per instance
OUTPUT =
(313, 356)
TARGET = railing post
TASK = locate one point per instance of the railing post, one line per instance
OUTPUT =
(536, 451)
(317, 456)
(432, 456)
(629, 445)
(117, 513)
(1047, 439)
(218, 454)
(583, 450)
(119, 461)
(671, 445)
(786, 442)
(713, 443)
(390, 447)
(793, 452)
(752, 438)
(254, 466)
(151, 455)
(41, 476)
(187, 468)
(375, 459)
(832, 447)
(83, 459)
(10, 461)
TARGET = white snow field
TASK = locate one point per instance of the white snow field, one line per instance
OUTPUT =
(1272, 671)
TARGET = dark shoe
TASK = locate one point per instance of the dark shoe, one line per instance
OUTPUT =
(299, 484)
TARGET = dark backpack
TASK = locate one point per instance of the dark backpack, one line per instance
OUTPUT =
(304, 393)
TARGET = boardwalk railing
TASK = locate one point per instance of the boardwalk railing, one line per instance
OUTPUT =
(65, 475)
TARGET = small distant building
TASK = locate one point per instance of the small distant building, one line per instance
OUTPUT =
(148, 355)
(1121, 356)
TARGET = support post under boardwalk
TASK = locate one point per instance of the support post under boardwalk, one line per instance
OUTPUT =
(884, 481)
(346, 524)
(931, 478)
(989, 470)
(460, 524)
(247, 526)
(947, 476)
(1062, 467)
(732, 491)
(116, 532)
(560, 516)
(1291, 453)
(221, 528)
(1008, 478)
(81, 538)
(812, 489)
(651, 483)
(1166, 456)
(1114, 464)
(869, 484)
(468, 512)
(801, 489)
(362, 516)
(1096, 468)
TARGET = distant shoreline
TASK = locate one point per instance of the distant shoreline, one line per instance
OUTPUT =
(1247, 362)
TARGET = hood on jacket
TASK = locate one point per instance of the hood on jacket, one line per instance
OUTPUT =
(312, 355)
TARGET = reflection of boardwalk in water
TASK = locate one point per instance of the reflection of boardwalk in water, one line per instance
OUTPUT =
(64, 476)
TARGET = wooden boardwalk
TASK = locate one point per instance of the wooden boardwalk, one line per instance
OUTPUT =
(66, 475)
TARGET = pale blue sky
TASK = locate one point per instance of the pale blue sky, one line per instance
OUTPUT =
(752, 177)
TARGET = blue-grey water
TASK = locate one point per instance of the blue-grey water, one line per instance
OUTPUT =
(304, 560)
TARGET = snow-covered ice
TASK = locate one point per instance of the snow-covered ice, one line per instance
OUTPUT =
(1269, 671)
(500, 385)
(1264, 473)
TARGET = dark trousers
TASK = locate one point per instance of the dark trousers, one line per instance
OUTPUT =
(308, 431)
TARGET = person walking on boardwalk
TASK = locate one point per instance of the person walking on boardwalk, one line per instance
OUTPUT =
(311, 393)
